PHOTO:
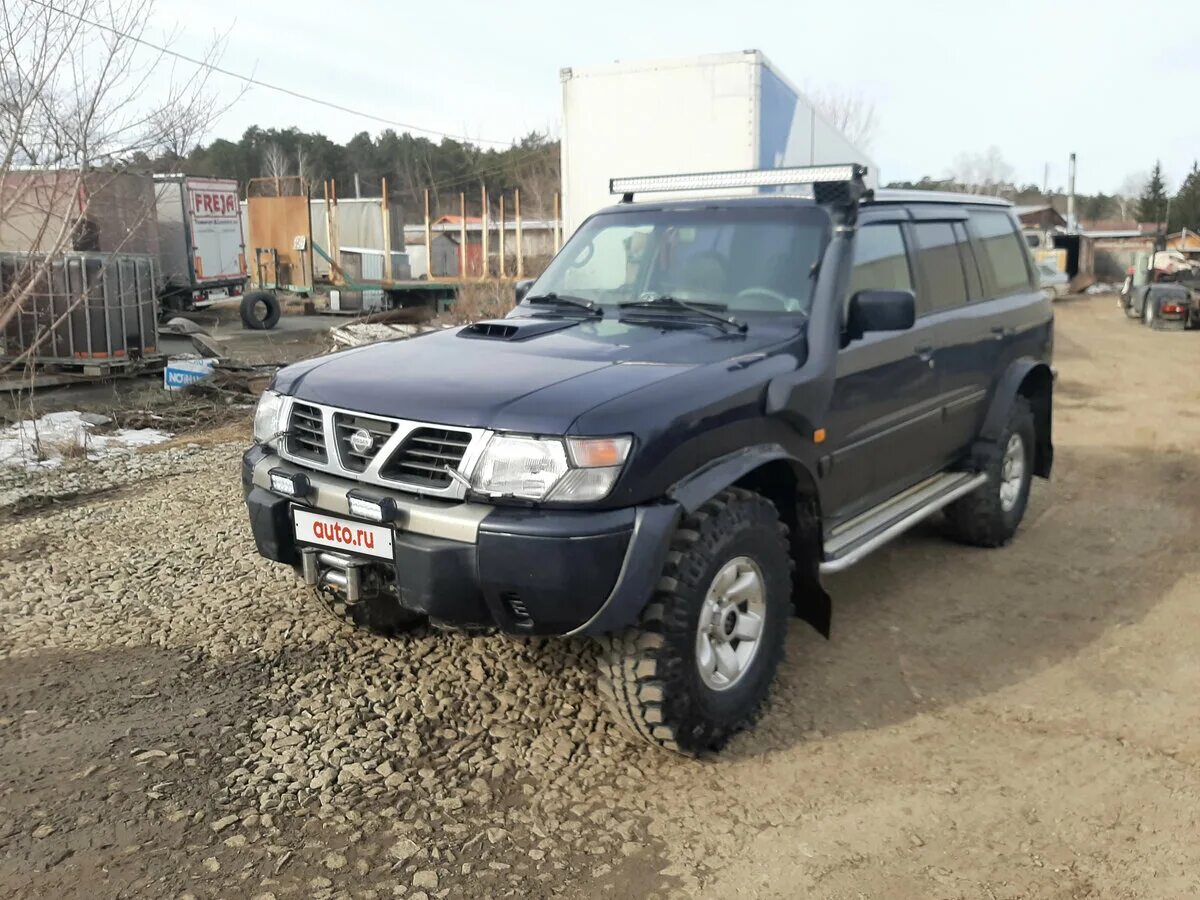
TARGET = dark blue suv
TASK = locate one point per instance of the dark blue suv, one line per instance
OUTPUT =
(700, 408)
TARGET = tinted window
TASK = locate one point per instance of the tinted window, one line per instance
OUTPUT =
(1003, 251)
(879, 260)
(940, 265)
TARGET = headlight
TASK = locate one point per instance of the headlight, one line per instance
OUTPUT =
(266, 417)
(530, 468)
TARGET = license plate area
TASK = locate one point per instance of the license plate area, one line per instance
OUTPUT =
(348, 535)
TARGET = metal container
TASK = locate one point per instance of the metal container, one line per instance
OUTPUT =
(95, 310)
(700, 114)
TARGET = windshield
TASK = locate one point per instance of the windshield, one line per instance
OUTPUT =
(748, 259)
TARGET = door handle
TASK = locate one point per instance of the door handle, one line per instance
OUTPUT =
(925, 354)
(1000, 332)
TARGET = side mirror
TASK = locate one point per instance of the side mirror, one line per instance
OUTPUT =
(880, 310)
(522, 288)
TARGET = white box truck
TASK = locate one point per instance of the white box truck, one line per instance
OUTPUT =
(720, 112)
(201, 255)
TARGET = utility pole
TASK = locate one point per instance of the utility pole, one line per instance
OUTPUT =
(1072, 222)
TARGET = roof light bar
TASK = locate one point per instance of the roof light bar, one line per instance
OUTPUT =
(737, 179)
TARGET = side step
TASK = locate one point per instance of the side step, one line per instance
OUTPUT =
(867, 532)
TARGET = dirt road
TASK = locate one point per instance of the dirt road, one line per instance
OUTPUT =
(179, 717)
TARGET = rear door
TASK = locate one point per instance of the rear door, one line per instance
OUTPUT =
(214, 216)
(884, 413)
(949, 279)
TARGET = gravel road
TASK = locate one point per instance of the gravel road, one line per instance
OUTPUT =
(181, 718)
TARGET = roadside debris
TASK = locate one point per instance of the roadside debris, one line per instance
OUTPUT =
(206, 345)
(385, 326)
(356, 334)
(182, 371)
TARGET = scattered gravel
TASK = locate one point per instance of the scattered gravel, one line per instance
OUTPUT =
(434, 760)
(179, 717)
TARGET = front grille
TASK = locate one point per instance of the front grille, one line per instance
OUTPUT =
(306, 433)
(346, 425)
(425, 453)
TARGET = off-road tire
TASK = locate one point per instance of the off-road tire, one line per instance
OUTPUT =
(255, 301)
(648, 673)
(979, 518)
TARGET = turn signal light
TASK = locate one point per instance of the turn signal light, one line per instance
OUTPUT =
(594, 453)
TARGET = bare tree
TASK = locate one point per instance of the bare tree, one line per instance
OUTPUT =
(847, 110)
(85, 100)
(275, 161)
(1128, 193)
(982, 173)
(304, 168)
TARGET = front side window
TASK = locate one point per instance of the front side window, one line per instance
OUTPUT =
(1004, 253)
(941, 265)
(754, 259)
(880, 260)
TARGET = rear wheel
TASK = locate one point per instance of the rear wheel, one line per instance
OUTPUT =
(698, 665)
(260, 310)
(989, 515)
(1148, 312)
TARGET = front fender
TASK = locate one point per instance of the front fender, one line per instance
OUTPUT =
(702, 485)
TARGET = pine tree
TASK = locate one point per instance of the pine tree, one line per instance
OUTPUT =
(1152, 204)
(1185, 207)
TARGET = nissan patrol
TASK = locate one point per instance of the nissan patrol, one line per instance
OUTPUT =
(700, 408)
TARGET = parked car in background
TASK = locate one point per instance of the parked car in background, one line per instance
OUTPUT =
(1165, 305)
(1054, 283)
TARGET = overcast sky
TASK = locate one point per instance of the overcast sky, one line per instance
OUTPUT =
(1036, 79)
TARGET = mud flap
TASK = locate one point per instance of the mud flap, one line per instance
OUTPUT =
(811, 601)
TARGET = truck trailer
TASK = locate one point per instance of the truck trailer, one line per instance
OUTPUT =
(719, 112)
(201, 256)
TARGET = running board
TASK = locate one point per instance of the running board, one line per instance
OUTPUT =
(867, 532)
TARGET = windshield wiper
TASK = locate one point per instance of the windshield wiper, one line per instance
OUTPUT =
(650, 300)
(552, 299)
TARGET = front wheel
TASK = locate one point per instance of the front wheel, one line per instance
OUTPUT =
(699, 664)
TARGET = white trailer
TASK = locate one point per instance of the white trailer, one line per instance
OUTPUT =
(201, 254)
(720, 112)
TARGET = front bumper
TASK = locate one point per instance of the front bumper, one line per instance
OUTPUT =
(526, 571)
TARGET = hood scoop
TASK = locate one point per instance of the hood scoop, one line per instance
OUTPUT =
(513, 329)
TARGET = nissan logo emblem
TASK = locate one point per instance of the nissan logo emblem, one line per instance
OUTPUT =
(361, 441)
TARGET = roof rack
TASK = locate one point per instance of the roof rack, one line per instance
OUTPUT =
(840, 184)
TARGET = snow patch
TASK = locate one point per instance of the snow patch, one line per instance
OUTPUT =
(40, 443)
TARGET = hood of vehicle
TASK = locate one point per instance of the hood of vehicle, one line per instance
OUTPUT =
(540, 383)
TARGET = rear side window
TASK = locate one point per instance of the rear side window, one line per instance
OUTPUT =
(941, 266)
(1003, 251)
(880, 260)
